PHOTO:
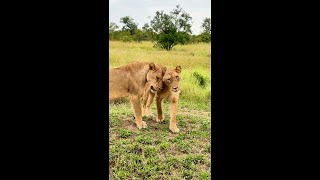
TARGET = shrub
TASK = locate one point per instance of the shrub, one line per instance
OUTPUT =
(126, 39)
(202, 81)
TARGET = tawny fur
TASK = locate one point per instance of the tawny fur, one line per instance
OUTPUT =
(171, 90)
(131, 81)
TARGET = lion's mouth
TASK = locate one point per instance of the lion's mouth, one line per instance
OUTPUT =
(176, 90)
(152, 89)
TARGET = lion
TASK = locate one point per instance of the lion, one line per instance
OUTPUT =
(131, 80)
(171, 90)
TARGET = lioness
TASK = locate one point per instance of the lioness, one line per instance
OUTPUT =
(131, 80)
(171, 90)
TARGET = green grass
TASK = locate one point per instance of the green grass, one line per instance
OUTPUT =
(155, 152)
(194, 60)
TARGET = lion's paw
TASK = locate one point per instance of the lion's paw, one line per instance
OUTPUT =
(174, 130)
(160, 119)
(144, 124)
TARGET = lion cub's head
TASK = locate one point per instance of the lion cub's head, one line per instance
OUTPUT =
(154, 77)
(172, 79)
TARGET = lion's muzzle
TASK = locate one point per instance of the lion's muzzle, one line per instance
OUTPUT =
(152, 89)
(175, 89)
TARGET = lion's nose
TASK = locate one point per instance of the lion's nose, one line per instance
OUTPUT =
(152, 88)
(175, 88)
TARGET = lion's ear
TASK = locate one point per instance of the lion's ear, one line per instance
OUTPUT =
(178, 69)
(164, 69)
(152, 66)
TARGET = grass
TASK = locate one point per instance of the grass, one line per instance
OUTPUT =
(194, 60)
(155, 152)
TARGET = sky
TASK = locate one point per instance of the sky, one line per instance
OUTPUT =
(140, 10)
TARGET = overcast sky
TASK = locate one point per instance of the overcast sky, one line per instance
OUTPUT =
(139, 10)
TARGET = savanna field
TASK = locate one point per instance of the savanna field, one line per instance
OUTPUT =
(155, 152)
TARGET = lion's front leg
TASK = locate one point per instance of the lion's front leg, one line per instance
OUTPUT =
(136, 106)
(145, 100)
(173, 113)
(160, 116)
(148, 104)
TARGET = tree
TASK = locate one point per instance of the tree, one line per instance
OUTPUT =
(172, 28)
(139, 35)
(146, 27)
(148, 32)
(129, 25)
(113, 27)
(206, 25)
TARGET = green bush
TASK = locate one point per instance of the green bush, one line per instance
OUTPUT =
(126, 39)
(205, 37)
(201, 80)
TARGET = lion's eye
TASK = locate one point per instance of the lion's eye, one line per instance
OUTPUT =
(177, 77)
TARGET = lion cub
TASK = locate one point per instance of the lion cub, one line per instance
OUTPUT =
(170, 89)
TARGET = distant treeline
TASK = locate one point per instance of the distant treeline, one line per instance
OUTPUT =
(166, 30)
(141, 35)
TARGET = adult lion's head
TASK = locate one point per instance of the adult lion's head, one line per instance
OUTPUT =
(172, 79)
(154, 77)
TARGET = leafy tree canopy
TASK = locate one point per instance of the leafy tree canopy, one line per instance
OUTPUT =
(129, 25)
(206, 25)
(172, 28)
